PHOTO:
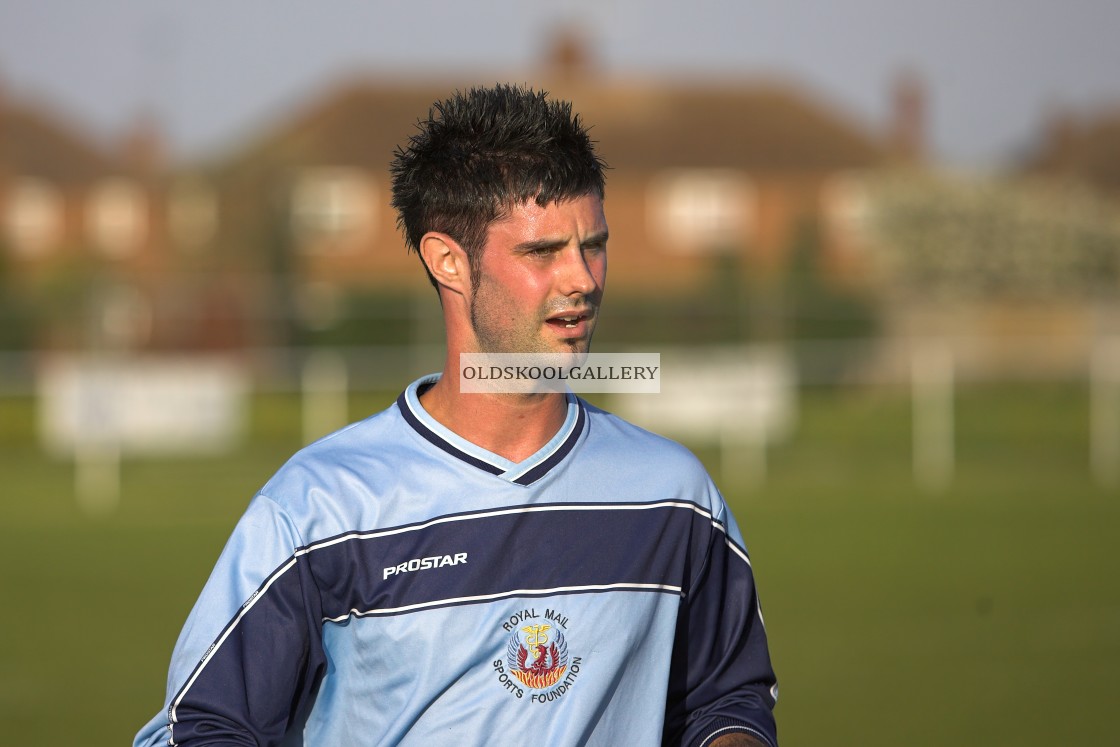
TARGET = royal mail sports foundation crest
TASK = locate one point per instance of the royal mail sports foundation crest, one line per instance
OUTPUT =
(537, 655)
(536, 660)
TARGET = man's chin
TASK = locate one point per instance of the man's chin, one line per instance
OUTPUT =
(574, 344)
(545, 343)
(580, 346)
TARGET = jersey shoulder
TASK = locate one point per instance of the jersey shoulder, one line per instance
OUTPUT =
(345, 467)
(651, 455)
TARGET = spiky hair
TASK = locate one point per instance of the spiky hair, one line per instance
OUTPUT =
(480, 153)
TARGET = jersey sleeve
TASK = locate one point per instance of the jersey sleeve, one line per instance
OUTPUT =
(721, 679)
(250, 655)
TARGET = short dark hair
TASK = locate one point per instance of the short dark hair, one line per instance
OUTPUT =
(480, 153)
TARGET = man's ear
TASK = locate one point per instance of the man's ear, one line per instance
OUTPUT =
(446, 260)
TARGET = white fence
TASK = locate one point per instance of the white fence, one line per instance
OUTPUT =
(741, 399)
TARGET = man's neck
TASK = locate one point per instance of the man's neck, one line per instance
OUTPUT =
(514, 426)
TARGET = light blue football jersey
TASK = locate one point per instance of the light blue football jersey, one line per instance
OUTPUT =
(395, 584)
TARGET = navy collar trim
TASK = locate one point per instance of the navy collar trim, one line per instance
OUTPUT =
(523, 473)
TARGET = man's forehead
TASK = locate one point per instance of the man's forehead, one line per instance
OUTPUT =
(583, 215)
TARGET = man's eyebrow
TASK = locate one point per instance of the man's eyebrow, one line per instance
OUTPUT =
(598, 238)
(532, 246)
(547, 243)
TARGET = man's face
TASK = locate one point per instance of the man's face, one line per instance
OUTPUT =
(541, 278)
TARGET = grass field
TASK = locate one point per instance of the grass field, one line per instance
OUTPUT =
(988, 614)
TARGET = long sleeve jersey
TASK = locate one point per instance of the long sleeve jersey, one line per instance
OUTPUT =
(395, 584)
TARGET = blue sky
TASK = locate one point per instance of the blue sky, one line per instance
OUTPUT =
(215, 71)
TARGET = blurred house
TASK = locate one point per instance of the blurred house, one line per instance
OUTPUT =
(96, 243)
(700, 171)
(1084, 149)
(1016, 273)
(714, 184)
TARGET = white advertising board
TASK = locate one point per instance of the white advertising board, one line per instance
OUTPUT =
(142, 405)
(715, 394)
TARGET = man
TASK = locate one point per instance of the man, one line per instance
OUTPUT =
(484, 569)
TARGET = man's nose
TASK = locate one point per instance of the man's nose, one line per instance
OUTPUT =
(579, 273)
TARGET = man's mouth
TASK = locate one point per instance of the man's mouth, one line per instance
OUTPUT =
(568, 321)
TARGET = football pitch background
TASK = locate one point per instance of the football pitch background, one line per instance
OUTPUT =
(987, 614)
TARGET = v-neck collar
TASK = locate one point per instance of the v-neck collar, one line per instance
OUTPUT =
(525, 472)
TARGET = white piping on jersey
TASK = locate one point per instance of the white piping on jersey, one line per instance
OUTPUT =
(525, 510)
(738, 727)
(253, 599)
(507, 594)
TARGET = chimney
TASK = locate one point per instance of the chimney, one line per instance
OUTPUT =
(4, 166)
(908, 119)
(1058, 154)
(569, 58)
(143, 147)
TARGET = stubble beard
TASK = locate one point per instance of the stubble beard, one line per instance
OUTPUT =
(493, 336)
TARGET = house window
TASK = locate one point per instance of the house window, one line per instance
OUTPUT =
(192, 215)
(702, 210)
(846, 206)
(331, 206)
(33, 217)
(117, 217)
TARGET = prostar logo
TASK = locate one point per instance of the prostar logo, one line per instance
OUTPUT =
(424, 564)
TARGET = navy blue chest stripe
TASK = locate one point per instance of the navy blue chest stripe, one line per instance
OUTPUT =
(675, 525)
(457, 516)
(558, 550)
